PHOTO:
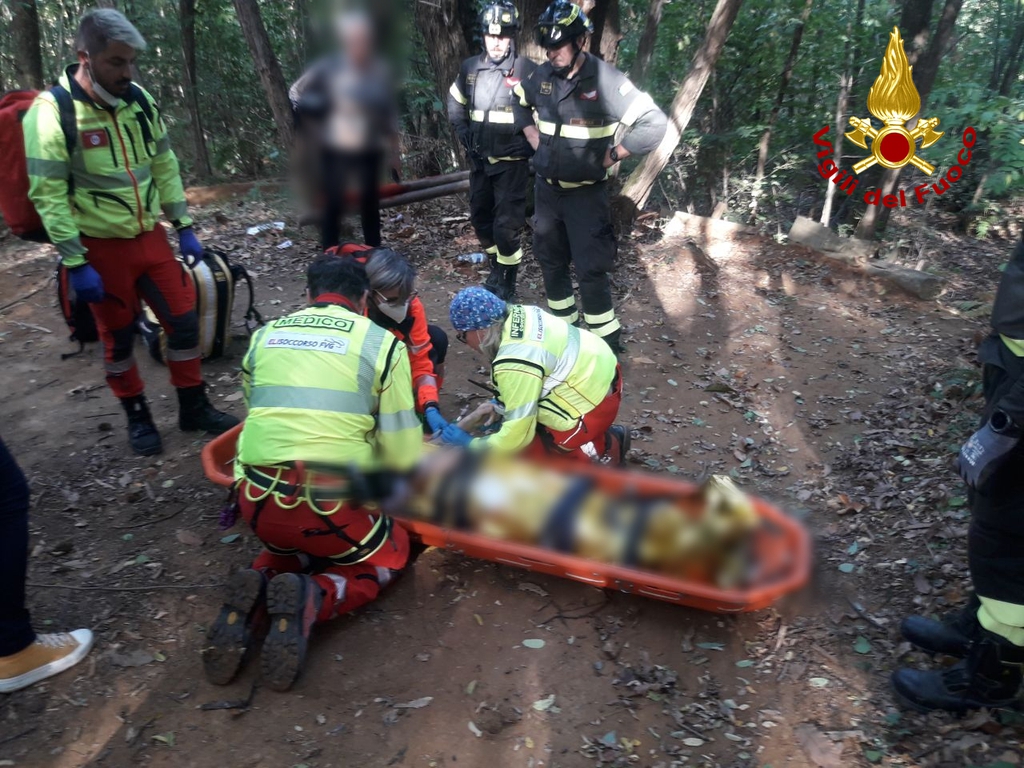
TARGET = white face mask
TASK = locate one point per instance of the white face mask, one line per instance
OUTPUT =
(105, 96)
(398, 314)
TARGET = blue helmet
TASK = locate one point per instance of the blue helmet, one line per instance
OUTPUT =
(475, 308)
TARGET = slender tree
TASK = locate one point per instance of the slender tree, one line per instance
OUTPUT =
(645, 48)
(28, 59)
(267, 67)
(187, 20)
(638, 187)
(607, 30)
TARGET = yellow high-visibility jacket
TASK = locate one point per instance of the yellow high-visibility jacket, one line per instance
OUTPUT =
(122, 171)
(546, 372)
(327, 386)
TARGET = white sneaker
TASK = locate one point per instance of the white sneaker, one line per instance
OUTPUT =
(48, 655)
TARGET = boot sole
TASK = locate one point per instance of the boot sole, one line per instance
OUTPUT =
(284, 651)
(230, 636)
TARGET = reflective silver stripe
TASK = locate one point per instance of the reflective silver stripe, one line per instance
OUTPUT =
(640, 104)
(476, 115)
(308, 399)
(175, 211)
(565, 363)
(180, 355)
(512, 260)
(529, 352)
(120, 366)
(47, 169)
(506, 118)
(457, 94)
(562, 303)
(424, 381)
(418, 348)
(107, 181)
(607, 328)
(522, 412)
(163, 145)
(368, 363)
(396, 422)
(71, 247)
(604, 317)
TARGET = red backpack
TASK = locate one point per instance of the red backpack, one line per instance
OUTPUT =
(15, 206)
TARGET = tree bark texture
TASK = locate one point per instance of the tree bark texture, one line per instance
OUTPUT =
(638, 187)
(645, 48)
(607, 30)
(784, 78)
(187, 20)
(28, 59)
(267, 67)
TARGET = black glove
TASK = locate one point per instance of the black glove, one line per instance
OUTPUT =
(987, 449)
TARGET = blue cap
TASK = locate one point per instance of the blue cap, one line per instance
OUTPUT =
(475, 308)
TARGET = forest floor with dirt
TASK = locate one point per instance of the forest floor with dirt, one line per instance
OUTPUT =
(841, 401)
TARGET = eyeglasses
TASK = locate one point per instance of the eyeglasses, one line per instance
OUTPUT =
(382, 299)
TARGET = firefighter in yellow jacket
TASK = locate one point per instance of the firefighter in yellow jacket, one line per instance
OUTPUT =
(559, 386)
(332, 430)
(100, 204)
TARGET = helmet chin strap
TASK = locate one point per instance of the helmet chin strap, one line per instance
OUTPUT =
(564, 71)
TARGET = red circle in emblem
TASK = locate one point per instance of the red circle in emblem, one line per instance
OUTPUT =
(895, 147)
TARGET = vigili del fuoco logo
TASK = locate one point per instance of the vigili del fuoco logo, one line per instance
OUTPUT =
(893, 101)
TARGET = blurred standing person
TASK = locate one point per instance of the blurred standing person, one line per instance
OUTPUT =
(347, 103)
(484, 112)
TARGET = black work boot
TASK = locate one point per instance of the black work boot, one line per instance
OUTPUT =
(242, 619)
(502, 280)
(952, 635)
(616, 445)
(142, 434)
(196, 413)
(614, 340)
(989, 677)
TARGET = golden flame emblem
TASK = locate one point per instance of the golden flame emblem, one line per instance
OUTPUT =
(894, 100)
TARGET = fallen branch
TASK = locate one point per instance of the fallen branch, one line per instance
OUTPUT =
(28, 295)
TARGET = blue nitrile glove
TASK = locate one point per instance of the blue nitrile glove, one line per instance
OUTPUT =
(435, 420)
(453, 435)
(87, 283)
(189, 245)
(987, 449)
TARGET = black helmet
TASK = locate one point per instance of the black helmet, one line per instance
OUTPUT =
(500, 19)
(562, 21)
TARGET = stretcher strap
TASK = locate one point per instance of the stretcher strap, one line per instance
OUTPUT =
(559, 531)
(631, 556)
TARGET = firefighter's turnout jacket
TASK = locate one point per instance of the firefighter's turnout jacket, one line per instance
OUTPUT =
(120, 175)
(578, 118)
(485, 112)
(328, 387)
(546, 372)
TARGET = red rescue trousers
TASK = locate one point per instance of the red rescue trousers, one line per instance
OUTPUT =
(591, 428)
(300, 540)
(144, 268)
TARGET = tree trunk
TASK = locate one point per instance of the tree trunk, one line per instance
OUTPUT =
(607, 30)
(28, 59)
(187, 13)
(926, 67)
(766, 137)
(441, 25)
(638, 186)
(1011, 67)
(645, 48)
(267, 67)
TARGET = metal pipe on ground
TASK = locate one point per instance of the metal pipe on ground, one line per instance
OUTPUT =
(420, 195)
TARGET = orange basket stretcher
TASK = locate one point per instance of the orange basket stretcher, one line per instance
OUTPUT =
(781, 548)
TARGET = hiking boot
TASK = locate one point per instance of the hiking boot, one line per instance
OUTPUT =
(47, 656)
(195, 413)
(990, 677)
(614, 340)
(502, 280)
(242, 619)
(616, 445)
(952, 635)
(142, 434)
(293, 602)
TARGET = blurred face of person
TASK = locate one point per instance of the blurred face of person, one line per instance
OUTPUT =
(111, 69)
(562, 56)
(497, 47)
(357, 41)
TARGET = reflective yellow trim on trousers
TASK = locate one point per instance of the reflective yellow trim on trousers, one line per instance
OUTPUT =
(573, 184)
(606, 329)
(493, 250)
(1003, 619)
(1014, 345)
(457, 94)
(557, 304)
(582, 132)
(496, 160)
(604, 317)
(511, 261)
